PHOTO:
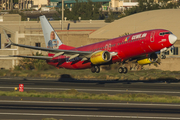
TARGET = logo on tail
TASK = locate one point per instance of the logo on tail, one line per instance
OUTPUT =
(50, 36)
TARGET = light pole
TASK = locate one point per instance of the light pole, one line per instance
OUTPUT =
(62, 14)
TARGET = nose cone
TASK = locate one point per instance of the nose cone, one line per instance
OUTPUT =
(172, 38)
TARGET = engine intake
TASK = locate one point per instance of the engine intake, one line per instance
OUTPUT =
(152, 58)
(100, 57)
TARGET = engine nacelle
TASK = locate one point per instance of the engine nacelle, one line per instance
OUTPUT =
(152, 58)
(100, 57)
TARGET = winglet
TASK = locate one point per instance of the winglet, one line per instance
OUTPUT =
(7, 39)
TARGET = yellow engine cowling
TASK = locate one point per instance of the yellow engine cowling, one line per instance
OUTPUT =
(144, 61)
(152, 58)
(100, 57)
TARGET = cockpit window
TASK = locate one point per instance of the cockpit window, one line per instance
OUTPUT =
(164, 33)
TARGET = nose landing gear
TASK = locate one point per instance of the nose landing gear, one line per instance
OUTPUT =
(163, 56)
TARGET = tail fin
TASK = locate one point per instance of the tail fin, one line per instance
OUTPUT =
(51, 38)
(47, 31)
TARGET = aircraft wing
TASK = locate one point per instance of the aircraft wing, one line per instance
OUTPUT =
(57, 52)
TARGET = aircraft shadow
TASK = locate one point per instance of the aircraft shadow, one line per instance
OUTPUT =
(68, 78)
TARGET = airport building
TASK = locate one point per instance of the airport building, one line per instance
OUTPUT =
(86, 32)
(118, 5)
(114, 5)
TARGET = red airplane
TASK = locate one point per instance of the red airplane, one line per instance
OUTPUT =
(142, 47)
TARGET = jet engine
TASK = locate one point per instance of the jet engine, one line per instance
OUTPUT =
(100, 57)
(151, 58)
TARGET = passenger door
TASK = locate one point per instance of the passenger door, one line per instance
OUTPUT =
(152, 36)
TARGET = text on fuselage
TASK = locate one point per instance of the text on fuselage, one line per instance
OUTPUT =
(138, 36)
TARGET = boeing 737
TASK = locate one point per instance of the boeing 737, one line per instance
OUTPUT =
(141, 47)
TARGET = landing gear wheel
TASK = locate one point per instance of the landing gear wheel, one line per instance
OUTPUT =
(120, 69)
(97, 69)
(163, 56)
(93, 69)
(125, 70)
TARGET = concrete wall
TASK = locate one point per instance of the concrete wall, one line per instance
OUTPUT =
(11, 17)
(171, 64)
(40, 2)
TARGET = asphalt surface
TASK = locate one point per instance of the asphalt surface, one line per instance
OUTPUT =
(76, 109)
(39, 108)
(92, 86)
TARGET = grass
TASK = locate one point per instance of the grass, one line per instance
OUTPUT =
(74, 94)
(112, 74)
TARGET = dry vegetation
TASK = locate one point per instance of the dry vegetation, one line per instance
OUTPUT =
(112, 74)
(74, 94)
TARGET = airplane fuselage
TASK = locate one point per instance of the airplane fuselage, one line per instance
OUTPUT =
(124, 47)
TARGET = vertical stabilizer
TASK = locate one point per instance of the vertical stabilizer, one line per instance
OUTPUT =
(51, 38)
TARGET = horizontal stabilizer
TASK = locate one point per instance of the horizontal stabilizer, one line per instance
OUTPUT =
(33, 57)
(7, 39)
(71, 53)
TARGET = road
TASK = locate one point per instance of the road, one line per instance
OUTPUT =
(92, 86)
(66, 109)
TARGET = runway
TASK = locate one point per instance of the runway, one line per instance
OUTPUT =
(92, 86)
(76, 109)
(67, 109)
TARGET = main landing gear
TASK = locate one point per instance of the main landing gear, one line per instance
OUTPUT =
(122, 70)
(95, 69)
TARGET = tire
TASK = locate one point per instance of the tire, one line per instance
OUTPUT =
(120, 69)
(125, 70)
(163, 56)
(93, 69)
(97, 69)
